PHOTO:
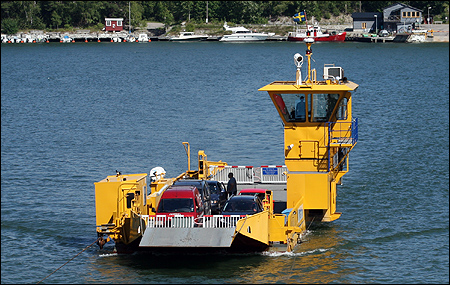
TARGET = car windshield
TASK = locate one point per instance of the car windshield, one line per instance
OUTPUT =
(175, 205)
(246, 205)
(259, 195)
(214, 188)
(193, 183)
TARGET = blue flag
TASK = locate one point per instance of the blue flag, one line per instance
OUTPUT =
(300, 17)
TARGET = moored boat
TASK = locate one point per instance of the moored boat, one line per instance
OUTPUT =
(319, 133)
(143, 38)
(242, 34)
(315, 32)
(66, 39)
(189, 36)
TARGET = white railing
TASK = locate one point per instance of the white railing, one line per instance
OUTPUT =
(250, 174)
(180, 221)
(221, 221)
(242, 174)
(163, 221)
(273, 174)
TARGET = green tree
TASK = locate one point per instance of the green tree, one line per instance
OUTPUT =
(56, 19)
(10, 26)
(136, 11)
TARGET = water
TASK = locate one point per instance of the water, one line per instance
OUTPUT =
(71, 114)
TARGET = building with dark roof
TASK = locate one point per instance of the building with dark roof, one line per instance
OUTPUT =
(395, 18)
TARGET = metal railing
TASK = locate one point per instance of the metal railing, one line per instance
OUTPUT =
(242, 174)
(180, 221)
(344, 133)
(273, 174)
(250, 174)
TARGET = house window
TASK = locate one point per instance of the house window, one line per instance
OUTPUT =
(363, 25)
(404, 14)
(119, 23)
(409, 14)
(108, 23)
(413, 14)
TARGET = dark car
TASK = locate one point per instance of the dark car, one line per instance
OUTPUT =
(202, 187)
(242, 205)
(218, 196)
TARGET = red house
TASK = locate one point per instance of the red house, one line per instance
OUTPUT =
(114, 24)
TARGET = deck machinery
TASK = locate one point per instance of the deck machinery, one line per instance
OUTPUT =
(319, 133)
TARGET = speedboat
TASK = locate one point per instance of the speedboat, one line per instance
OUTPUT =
(240, 34)
(189, 36)
(315, 32)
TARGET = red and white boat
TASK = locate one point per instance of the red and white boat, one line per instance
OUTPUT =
(315, 32)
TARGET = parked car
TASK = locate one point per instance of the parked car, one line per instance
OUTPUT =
(218, 196)
(254, 191)
(202, 187)
(182, 200)
(242, 205)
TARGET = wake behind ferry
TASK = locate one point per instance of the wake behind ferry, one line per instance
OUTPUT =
(143, 212)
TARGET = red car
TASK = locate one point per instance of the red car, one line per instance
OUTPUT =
(181, 200)
(254, 191)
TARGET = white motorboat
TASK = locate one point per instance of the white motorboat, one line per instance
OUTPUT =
(241, 34)
(189, 36)
(143, 38)
(66, 39)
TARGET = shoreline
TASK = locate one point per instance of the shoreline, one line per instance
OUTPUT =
(435, 33)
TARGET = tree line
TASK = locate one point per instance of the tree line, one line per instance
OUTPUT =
(54, 15)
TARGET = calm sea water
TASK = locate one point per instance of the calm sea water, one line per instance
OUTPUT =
(71, 114)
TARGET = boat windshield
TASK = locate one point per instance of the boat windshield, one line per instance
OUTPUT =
(175, 206)
(301, 107)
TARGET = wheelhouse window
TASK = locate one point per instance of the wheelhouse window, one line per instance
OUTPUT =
(308, 107)
(119, 23)
(341, 113)
(108, 23)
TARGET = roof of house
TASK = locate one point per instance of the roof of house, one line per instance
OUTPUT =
(402, 6)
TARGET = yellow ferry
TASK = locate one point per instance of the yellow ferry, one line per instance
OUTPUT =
(319, 133)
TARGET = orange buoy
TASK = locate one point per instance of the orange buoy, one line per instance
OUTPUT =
(98, 40)
(48, 41)
(73, 41)
(149, 40)
(124, 40)
(85, 41)
(111, 40)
